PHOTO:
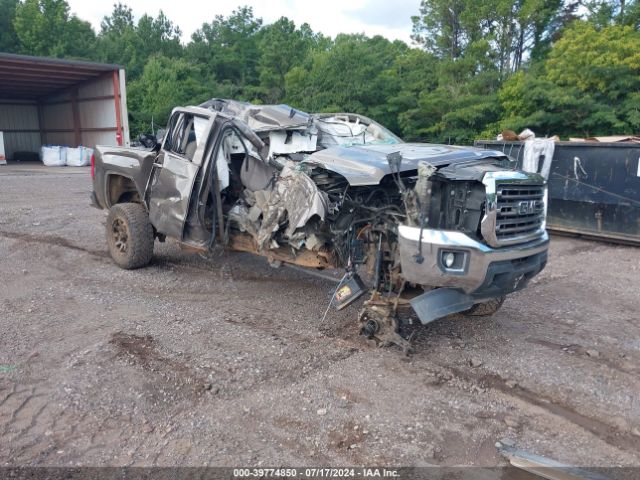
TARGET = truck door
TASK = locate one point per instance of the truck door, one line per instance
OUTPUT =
(175, 170)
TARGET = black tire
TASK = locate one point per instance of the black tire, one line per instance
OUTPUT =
(129, 235)
(485, 309)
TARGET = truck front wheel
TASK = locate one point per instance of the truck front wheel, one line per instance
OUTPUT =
(485, 309)
(129, 235)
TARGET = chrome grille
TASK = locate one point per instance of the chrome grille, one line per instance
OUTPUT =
(515, 208)
(520, 211)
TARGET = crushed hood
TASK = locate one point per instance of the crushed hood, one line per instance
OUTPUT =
(367, 164)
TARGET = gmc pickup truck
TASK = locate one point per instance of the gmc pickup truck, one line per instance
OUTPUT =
(444, 229)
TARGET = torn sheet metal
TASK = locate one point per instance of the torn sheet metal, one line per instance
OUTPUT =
(295, 198)
(240, 216)
(302, 198)
(260, 118)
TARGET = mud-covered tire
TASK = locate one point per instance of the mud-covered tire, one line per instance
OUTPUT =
(129, 235)
(485, 309)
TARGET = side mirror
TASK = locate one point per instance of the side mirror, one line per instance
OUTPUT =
(148, 140)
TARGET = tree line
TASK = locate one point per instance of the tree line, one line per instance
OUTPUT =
(559, 67)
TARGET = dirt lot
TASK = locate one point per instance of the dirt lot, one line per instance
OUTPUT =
(225, 361)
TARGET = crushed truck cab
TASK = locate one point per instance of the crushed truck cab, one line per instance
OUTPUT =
(442, 228)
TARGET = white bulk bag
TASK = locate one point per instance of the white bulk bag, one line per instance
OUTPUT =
(53, 155)
(74, 157)
(79, 157)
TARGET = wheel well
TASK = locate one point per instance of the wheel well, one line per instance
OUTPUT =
(121, 190)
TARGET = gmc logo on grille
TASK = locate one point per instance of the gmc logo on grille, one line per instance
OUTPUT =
(527, 207)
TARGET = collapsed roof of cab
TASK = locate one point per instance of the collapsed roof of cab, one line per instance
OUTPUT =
(260, 118)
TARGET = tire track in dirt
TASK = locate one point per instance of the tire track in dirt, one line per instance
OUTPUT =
(51, 240)
(144, 352)
(262, 319)
(577, 349)
(605, 432)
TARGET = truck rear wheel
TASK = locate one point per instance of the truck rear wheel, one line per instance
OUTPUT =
(129, 235)
(485, 309)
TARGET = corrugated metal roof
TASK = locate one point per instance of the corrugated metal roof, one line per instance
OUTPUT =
(26, 77)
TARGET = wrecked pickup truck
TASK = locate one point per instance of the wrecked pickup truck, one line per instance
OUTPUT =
(443, 228)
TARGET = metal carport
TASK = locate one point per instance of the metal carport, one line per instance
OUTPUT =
(62, 102)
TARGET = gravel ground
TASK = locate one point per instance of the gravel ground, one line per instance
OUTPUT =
(224, 360)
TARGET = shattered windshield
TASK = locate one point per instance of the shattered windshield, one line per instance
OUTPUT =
(348, 129)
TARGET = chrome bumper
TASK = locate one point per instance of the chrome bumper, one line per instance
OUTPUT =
(477, 257)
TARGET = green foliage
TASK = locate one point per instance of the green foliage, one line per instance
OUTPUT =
(164, 84)
(604, 61)
(229, 47)
(453, 112)
(603, 13)
(45, 27)
(117, 40)
(356, 75)
(8, 39)
(131, 44)
(414, 72)
(479, 46)
(282, 47)
(587, 86)
(503, 32)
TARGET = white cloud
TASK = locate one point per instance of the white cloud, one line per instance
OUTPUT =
(388, 18)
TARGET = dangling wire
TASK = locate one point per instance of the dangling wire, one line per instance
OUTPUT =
(333, 295)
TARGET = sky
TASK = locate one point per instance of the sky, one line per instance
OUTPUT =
(389, 18)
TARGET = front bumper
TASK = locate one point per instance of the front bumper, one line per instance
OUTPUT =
(480, 270)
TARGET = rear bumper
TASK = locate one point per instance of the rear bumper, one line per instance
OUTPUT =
(480, 270)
